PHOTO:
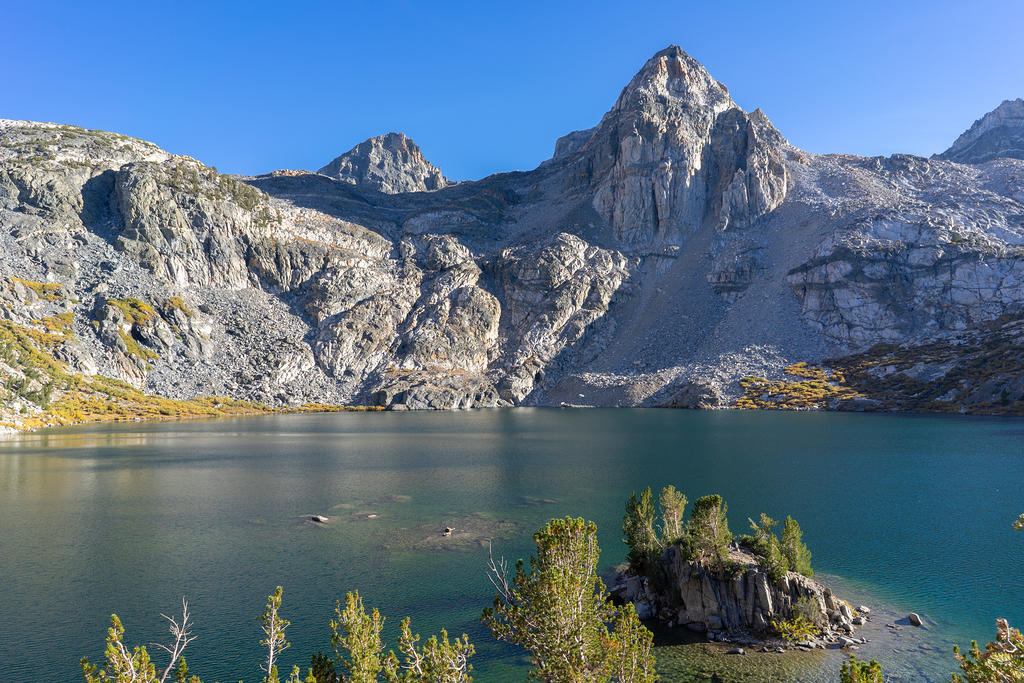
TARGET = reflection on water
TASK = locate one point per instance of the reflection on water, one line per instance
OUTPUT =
(912, 512)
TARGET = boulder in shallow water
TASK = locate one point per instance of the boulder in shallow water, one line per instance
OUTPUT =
(914, 619)
(319, 519)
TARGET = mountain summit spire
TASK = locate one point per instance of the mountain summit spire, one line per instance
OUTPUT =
(673, 74)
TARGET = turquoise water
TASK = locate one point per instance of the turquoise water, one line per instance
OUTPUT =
(908, 513)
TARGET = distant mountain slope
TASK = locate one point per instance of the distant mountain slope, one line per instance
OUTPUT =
(389, 163)
(999, 134)
(681, 252)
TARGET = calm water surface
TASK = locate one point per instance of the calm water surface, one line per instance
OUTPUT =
(906, 513)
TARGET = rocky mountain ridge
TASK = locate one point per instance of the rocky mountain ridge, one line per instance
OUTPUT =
(670, 255)
(999, 134)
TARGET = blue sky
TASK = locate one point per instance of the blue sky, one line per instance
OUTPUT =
(488, 87)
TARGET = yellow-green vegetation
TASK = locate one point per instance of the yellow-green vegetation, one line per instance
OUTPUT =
(137, 311)
(1001, 660)
(46, 339)
(330, 408)
(556, 608)
(854, 671)
(176, 303)
(101, 399)
(358, 652)
(62, 396)
(795, 630)
(134, 348)
(19, 348)
(977, 372)
(58, 324)
(812, 388)
(47, 291)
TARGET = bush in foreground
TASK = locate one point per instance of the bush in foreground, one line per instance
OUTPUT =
(558, 610)
(355, 637)
(854, 671)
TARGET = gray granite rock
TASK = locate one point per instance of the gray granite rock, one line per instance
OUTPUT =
(678, 246)
(390, 163)
(999, 134)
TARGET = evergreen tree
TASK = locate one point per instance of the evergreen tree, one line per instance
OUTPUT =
(795, 550)
(323, 669)
(762, 529)
(558, 610)
(774, 561)
(134, 665)
(1002, 660)
(854, 671)
(672, 503)
(437, 661)
(273, 630)
(638, 526)
(709, 529)
(355, 637)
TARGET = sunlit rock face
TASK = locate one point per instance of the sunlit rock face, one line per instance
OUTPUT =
(675, 149)
(999, 134)
(657, 258)
(389, 163)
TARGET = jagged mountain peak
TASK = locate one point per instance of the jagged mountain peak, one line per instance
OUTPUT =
(391, 163)
(673, 76)
(997, 134)
(664, 257)
(674, 151)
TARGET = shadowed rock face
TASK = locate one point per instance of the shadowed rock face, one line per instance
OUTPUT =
(743, 603)
(659, 257)
(999, 134)
(389, 163)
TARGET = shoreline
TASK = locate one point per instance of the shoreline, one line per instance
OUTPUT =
(8, 431)
(907, 652)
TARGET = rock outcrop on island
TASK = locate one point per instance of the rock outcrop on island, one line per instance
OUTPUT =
(999, 134)
(389, 163)
(671, 255)
(740, 604)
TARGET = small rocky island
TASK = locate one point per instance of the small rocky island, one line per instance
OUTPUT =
(754, 590)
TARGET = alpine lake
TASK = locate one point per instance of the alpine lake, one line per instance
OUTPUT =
(902, 513)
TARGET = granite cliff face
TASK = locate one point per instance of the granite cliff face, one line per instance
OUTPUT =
(999, 134)
(389, 163)
(659, 258)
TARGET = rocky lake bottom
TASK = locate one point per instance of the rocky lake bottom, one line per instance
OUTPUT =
(902, 513)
